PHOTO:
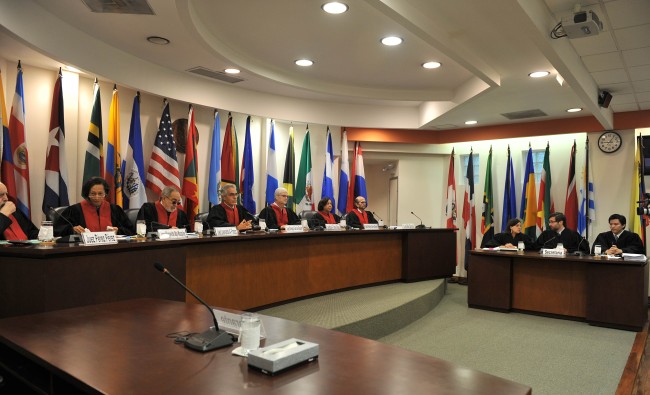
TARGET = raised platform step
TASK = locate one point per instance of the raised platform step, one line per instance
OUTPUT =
(371, 312)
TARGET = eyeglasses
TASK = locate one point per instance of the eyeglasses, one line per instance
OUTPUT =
(3, 194)
(284, 196)
(101, 194)
(552, 221)
(174, 201)
(232, 194)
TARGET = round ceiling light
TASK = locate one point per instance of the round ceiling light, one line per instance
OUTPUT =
(471, 122)
(304, 62)
(334, 7)
(539, 74)
(158, 40)
(231, 71)
(391, 41)
(431, 65)
(577, 109)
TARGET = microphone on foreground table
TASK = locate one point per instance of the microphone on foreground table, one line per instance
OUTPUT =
(73, 238)
(421, 226)
(209, 340)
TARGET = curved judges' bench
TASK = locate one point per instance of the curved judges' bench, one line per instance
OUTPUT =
(242, 272)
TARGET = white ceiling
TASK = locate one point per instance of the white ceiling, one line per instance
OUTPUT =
(487, 48)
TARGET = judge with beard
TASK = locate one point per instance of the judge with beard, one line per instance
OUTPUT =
(359, 216)
(94, 213)
(13, 224)
(164, 212)
(228, 212)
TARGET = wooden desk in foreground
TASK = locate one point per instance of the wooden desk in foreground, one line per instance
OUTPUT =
(242, 272)
(121, 348)
(603, 292)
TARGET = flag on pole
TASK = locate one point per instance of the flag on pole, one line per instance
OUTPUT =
(637, 222)
(509, 195)
(545, 205)
(3, 121)
(190, 173)
(450, 207)
(529, 199)
(359, 175)
(56, 169)
(328, 183)
(215, 162)
(304, 184)
(289, 176)
(163, 165)
(229, 154)
(113, 173)
(344, 176)
(587, 204)
(247, 172)
(94, 162)
(469, 212)
(271, 168)
(487, 217)
(571, 203)
(134, 195)
(15, 166)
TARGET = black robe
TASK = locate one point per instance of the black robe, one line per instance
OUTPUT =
(217, 217)
(268, 215)
(506, 237)
(320, 221)
(31, 231)
(149, 213)
(570, 239)
(75, 215)
(351, 219)
(628, 241)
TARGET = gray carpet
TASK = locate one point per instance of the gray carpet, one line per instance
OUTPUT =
(554, 357)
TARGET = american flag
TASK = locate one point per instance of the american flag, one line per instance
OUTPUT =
(163, 166)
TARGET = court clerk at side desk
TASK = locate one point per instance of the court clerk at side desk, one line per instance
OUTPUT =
(556, 233)
(619, 240)
(511, 237)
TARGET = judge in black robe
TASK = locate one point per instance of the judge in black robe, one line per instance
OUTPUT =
(325, 214)
(228, 212)
(557, 233)
(512, 237)
(355, 218)
(94, 192)
(167, 206)
(619, 240)
(279, 208)
(11, 217)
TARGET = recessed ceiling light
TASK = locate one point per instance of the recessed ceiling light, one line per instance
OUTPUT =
(577, 109)
(431, 65)
(539, 74)
(334, 7)
(391, 41)
(231, 71)
(304, 62)
(72, 69)
(471, 122)
(158, 40)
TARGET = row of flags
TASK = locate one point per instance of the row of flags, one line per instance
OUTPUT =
(128, 177)
(535, 210)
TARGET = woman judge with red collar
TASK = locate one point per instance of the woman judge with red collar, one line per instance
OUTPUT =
(325, 214)
(94, 213)
(13, 224)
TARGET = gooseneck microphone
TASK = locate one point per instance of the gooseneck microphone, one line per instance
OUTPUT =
(73, 238)
(421, 226)
(209, 340)
(547, 241)
(579, 252)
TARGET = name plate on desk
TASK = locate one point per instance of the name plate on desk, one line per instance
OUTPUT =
(553, 252)
(333, 227)
(370, 227)
(293, 228)
(408, 226)
(172, 234)
(226, 231)
(98, 238)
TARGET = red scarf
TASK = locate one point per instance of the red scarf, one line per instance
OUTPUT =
(95, 222)
(165, 216)
(232, 214)
(363, 216)
(329, 218)
(14, 231)
(280, 214)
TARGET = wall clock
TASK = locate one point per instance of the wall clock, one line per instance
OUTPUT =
(609, 142)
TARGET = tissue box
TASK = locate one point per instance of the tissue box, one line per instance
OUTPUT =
(278, 357)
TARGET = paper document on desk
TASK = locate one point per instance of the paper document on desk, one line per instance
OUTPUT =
(634, 257)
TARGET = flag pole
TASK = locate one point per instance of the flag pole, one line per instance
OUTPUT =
(586, 186)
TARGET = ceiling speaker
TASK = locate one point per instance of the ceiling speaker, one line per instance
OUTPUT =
(604, 98)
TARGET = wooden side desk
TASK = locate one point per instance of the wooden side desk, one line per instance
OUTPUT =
(121, 348)
(603, 292)
(242, 272)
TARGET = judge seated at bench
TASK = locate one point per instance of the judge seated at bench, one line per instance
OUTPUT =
(277, 215)
(94, 213)
(619, 240)
(228, 212)
(164, 213)
(511, 237)
(359, 216)
(558, 233)
(13, 224)
(325, 214)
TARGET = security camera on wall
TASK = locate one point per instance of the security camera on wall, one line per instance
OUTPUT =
(604, 98)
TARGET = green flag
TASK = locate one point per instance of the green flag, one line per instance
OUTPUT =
(487, 220)
(545, 204)
(94, 162)
(289, 178)
(303, 194)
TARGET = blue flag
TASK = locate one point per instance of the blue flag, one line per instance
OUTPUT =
(271, 169)
(509, 196)
(247, 174)
(215, 162)
(133, 193)
(328, 184)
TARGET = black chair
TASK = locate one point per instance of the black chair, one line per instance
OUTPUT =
(203, 217)
(307, 214)
(132, 215)
(311, 221)
(50, 216)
